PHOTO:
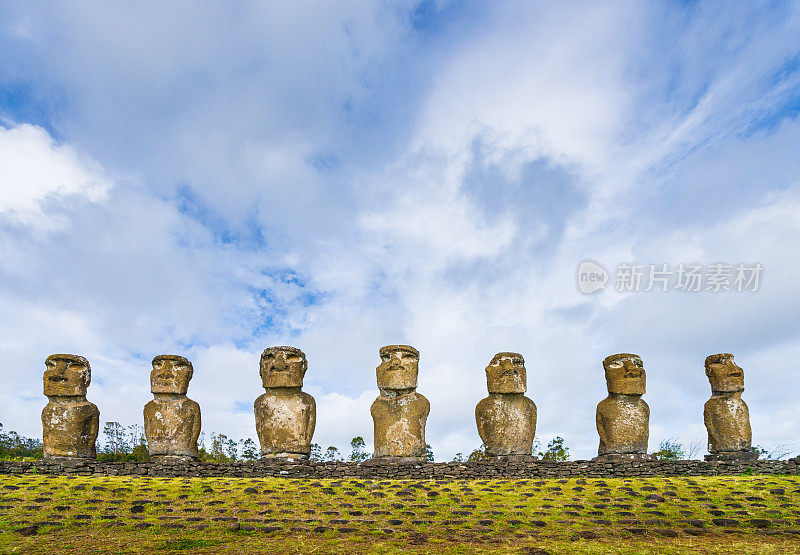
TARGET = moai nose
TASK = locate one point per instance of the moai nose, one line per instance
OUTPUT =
(58, 371)
(280, 363)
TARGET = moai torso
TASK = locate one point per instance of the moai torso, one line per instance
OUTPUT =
(69, 422)
(726, 415)
(623, 418)
(285, 415)
(506, 424)
(623, 424)
(399, 425)
(506, 419)
(285, 421)
(172, 426)
(171, 420)
(69, 427)
(727, 420)
(399, 413)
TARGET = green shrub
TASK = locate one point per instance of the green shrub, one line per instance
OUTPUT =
(670, 450)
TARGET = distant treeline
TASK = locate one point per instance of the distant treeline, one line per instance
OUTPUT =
(15, 446)
(128, 443)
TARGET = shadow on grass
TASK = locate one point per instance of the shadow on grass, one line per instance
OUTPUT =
(185, 543)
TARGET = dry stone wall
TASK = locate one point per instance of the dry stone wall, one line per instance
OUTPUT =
(493, 469)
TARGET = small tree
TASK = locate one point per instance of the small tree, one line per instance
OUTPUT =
(116, 438)
(249, 451)
(202, 453)
(138, 443)
(670, 450)
(217, 451)
(694, 449)
(357, 453)
(478, 454)
(13, 445)
(428, 452)
(231, 450)
(316, 452)
(459, 457)
(556, 450)
(5, 443)
(776, 452)
(332, 454)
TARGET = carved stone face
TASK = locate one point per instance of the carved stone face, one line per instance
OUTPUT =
(723, 374)
(66, 375)
(625, 374)
(170, 374)
(398, 368)
(506, 374)
(283, 367)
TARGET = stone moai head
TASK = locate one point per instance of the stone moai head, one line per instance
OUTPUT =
(283, 367)
(66, 375)
(625, 374)
(723, 374)
(398, 368)
(170, 374)
(506, 374)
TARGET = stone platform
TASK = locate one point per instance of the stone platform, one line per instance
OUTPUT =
(500, 468)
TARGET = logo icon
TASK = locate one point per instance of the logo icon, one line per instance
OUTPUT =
(591, 277)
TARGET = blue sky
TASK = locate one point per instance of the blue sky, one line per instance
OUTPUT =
(211, 180)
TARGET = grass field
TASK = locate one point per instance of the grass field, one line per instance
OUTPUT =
(732, 514)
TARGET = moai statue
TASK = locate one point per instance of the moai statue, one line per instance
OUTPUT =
(506, 418)
(623, 417)
(171, 419)
(399, 413)
(285, 415)
(69, 422)
(726, 415)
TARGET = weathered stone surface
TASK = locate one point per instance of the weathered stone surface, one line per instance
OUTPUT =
(622, 457)
(285, 415)
(171, 419)
(732, 456)
(399, 367)
(506, 419)
(623, 417)
(499, 467)
(506, 374)
(69, 422)
(726, 415)
(399, 424)
(399, 413)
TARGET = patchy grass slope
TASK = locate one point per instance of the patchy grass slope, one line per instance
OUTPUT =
(41, 513)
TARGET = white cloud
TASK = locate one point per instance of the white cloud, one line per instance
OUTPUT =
(548, 81)
(435, 226)
(335, 180)
(35, 169)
